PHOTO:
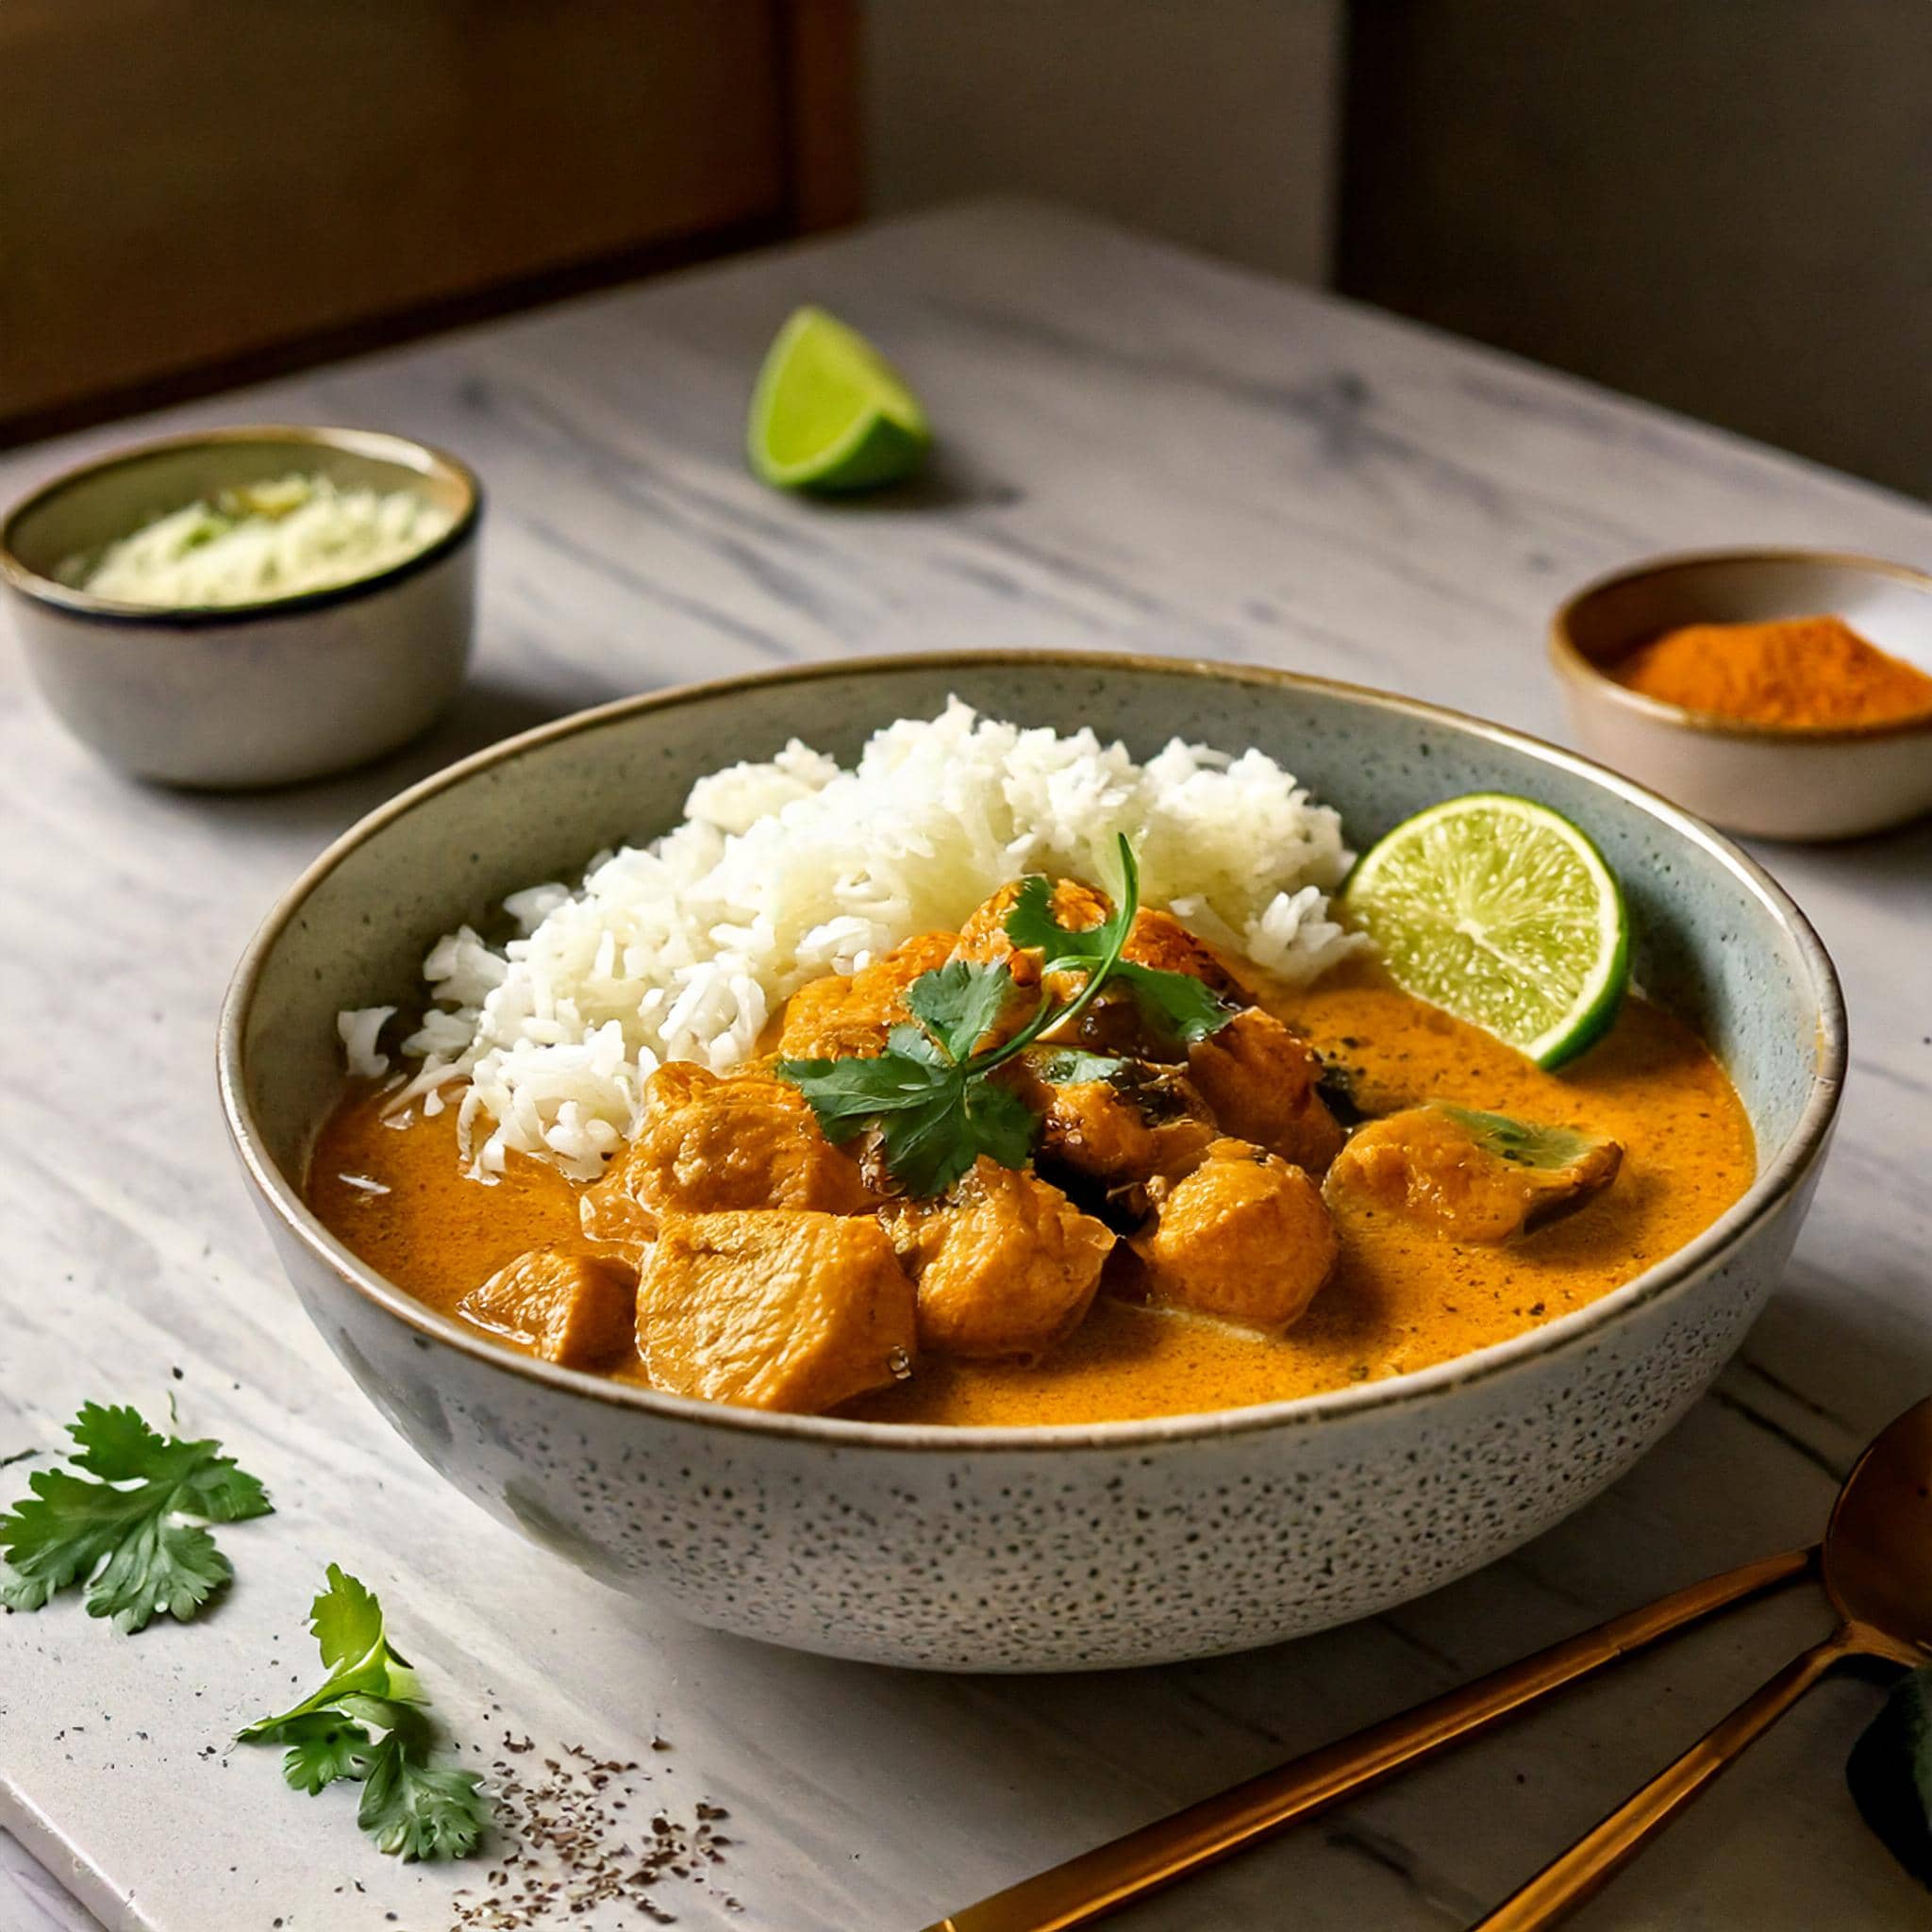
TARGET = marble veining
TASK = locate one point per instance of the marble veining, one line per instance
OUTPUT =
(1143, 450)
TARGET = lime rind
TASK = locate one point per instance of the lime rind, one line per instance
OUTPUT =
(1503, 912)
(829, 412)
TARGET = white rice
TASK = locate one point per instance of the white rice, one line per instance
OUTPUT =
(784, 872)
(270, 539)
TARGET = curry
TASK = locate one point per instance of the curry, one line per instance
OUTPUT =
(1167, 1212)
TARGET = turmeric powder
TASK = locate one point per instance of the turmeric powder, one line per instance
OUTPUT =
(1802, 670)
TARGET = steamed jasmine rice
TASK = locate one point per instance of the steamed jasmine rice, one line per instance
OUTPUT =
(269, 540)
(685, 948)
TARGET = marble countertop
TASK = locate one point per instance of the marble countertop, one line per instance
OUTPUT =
(1143, 449)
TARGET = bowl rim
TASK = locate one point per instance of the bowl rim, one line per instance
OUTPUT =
(1573, 663)
(1770, 1191)
(379, 445)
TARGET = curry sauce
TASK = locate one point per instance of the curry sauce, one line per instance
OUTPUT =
(1400, 1298)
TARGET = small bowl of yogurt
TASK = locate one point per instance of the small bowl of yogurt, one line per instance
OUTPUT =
(249, 607)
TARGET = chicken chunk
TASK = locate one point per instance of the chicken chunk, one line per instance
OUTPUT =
(709, 1143)
(1006, 1265)
(780, 1309)
(1141, 1119)
(1076, 904)
(1259, 1080)
(1244, 1236)
(573, 1304)
(1472, 1176)
(841, 1017)
(1160, 941)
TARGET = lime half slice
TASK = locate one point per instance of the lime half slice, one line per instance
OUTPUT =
(1501, 911)
(829, 412)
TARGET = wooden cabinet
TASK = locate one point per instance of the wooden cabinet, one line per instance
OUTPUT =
(192, 191)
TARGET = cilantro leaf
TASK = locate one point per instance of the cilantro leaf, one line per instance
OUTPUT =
(411, 1807)
(928, 1096)
(418, 1810)
(958, 1003)
(850, 1094)
(1001, 1126)
(1072, 1066)
(1175, 1004)
(124, 1544)
(1033, 926)
(1521, 1142)
(347, 1621)
(930, 1147)
(323, 1747)
(117, 1446)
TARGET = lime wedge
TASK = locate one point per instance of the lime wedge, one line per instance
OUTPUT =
(829, 412)
(1502, 912)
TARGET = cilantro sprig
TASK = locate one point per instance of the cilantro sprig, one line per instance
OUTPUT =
(929, 1096)
(1176, 1003)
(367, 1725)
(114, 1530)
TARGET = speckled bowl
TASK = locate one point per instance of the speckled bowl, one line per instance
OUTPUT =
(1051, 1548)
(242, 695)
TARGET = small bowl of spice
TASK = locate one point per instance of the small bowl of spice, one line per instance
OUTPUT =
(249, 607)
(1782, 693)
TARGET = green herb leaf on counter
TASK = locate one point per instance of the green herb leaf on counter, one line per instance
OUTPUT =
(411, 1807)
(347, 1621)
(124, 1544)
(323, 1747)
(1890, 1774)
(415, 1809)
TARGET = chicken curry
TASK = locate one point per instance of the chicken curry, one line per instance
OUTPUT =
(1148, 1198)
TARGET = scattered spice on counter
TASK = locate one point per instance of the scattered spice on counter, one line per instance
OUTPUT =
(581, 1832)
(1800, 671)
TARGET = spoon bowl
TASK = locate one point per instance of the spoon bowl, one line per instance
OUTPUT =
(1878, 1545)
(1877, 1571)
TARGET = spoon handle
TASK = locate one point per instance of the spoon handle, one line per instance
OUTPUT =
(1581, 1872)
(1095, 1883)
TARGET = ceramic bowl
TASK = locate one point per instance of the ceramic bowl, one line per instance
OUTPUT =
(1774, 781)
(244, 694)
(1041, 1548)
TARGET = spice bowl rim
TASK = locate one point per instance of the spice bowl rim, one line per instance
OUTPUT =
(380, 445)
(1577, 667)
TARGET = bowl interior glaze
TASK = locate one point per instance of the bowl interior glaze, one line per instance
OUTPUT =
(1716, 941)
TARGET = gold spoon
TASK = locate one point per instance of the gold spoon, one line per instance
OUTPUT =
(1878, 1575)
(1101, 1881)
(1874, 1560)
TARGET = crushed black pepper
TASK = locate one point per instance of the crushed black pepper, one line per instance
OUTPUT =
(572, 1841)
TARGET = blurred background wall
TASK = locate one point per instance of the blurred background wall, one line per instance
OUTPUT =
(1724, 208)
(1214, 121)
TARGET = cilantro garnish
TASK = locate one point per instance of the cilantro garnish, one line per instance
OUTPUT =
(114, 1530)
(928, 1095)
(410, 1806)
(1522, 1142)
(1176, 1003)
